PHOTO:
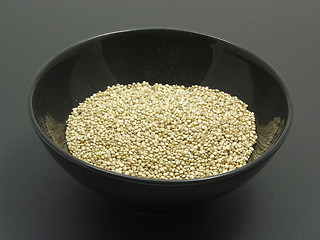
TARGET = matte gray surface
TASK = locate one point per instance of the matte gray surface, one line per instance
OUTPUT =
(38, 200)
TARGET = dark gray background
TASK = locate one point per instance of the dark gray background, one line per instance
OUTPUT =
(38, 200)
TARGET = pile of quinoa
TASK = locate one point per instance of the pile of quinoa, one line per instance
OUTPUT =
(162, 131)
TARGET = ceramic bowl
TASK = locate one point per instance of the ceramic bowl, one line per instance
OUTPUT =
(158, 56)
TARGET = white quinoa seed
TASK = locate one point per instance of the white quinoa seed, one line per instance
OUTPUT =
(162, 131)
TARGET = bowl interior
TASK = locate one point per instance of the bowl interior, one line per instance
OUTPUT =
(158, 56)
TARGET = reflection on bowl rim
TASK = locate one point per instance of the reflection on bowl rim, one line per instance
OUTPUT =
(141, 180)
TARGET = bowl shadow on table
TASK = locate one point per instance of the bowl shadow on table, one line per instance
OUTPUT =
(222, 217)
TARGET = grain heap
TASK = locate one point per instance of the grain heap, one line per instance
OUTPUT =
(162, 131)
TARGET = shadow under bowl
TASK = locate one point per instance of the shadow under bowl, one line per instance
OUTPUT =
(158, 56)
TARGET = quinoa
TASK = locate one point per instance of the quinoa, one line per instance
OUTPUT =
(162, 131)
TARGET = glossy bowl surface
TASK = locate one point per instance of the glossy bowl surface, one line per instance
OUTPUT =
(158, 56)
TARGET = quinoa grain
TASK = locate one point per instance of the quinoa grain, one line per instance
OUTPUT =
(162, 131)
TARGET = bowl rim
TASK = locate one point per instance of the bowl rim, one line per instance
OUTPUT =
(150, 181)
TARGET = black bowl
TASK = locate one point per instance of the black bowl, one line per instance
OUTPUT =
(158, 56)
